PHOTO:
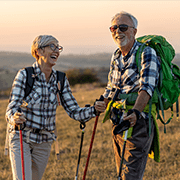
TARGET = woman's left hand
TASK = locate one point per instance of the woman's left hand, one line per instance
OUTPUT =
(100, 106)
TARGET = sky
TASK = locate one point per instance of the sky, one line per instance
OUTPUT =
(82, 27)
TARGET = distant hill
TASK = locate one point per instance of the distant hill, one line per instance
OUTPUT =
(14, 61)
(176, 60)
(11, 62)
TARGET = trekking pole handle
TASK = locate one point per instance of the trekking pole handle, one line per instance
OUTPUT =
(100, 99)
(20, 125)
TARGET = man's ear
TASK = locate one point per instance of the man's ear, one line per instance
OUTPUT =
(135, 32)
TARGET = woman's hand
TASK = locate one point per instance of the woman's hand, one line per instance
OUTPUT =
(19, 118)
(100, 106)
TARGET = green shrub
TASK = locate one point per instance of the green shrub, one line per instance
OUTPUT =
(81, 76)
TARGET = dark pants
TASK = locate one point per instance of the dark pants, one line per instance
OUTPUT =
(137, 149)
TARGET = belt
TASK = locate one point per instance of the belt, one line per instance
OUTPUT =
(29, 130)
(35, 130)
(38, 131)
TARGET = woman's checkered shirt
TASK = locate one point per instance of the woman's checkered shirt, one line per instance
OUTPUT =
(42, 103)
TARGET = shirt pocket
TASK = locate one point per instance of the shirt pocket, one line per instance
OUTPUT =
(53, 96)
(35, 96)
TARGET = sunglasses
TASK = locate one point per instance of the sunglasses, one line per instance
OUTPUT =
(122, 27)
(54, 47)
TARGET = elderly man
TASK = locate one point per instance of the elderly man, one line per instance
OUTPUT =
(125, 76)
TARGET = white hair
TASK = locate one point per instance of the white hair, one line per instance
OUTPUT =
(39, 42)
(134, 20)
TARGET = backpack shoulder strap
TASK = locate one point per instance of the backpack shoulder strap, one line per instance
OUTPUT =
(29, 80)
(60, 80)
(138, 56)
(60, 84)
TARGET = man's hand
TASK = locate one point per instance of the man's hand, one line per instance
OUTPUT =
(19, 118)
(139, 106)
(131, 118)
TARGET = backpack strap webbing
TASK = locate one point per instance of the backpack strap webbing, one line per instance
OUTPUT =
(60, 84)
(29, 80)
(60, 79)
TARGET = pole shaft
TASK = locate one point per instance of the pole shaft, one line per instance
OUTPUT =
(122, 157)
(90, 148)
(82, 137)
(22, 155)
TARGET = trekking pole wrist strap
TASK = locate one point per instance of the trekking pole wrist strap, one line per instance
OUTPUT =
(138, 113)
(95, 112)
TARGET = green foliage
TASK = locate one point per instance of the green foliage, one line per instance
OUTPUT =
(81, 76)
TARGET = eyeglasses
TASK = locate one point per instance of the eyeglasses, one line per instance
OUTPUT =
(54, 47)
(122, 27)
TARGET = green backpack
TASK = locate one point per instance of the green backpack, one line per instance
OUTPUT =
(168, 89)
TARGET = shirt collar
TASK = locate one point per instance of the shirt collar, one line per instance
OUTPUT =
(37, 70)
(117, 53)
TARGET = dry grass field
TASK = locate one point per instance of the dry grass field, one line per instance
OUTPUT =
(102, 162)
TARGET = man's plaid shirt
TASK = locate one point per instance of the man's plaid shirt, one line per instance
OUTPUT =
(125, 75)
(42, 102)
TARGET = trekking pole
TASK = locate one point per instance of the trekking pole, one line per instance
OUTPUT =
(177, 110)
(92, 139)
(21, 147)
(122, 157)
(122, 127)
(82, 127)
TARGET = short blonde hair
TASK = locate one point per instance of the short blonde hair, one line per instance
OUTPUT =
(39, 42)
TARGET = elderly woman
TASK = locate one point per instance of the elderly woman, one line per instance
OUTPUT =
(38, 110)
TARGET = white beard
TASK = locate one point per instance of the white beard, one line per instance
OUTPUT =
(123, 42)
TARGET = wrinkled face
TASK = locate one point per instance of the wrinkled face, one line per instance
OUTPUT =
(124, 39)
(49, 54)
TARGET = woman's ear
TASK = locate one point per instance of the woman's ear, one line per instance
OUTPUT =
(36, 55)
(39, 52)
